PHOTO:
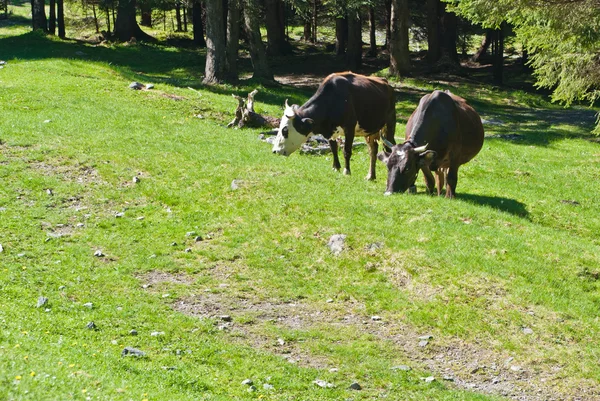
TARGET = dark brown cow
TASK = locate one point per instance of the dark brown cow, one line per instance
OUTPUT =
(346, 103)
(442, 134)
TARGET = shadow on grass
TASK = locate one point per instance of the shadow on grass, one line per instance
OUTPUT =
(13, 20)
(499, 203)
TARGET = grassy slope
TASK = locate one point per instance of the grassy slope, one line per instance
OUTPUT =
(506, 254)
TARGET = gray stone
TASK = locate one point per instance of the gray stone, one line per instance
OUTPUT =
(336, 243)
(157, 333)
(91, 326)
(448, 378)
(149, 86)
(62, 287)
(268, 386)
(120, 214)
(136, 179)
(42, 301)
(133, 332)
(401, 367)
(280, 341)
(376, 318)
(98, 253)
(423, 343)
(251, 389)
(198, 238)
(235, 184)
(429, 379)
(136, 86)
(49, 192)
(248, 382)
(426, 337)
(355, 386)
(225, 318)
(188, 250)
(323, 383)
(527, 330)
(1, 248)
(129, 351)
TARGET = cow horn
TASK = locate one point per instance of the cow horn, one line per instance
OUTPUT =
(421, 148)
(289, 111)
(287, 106)
(387, 143)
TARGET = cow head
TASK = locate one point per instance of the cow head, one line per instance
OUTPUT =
(403, 163)
(293, 131)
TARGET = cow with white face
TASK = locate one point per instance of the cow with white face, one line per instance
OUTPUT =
(346, 103)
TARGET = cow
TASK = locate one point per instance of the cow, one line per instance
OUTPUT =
(442, 134)
(346, 103)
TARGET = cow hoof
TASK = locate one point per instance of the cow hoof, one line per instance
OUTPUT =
(370, 177)
(346, 171)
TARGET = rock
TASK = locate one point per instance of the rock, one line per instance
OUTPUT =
(374, 246)
(495, 380)
(173, 243)
(198, 238)
(91, 326)
(47, 121)
(129, 351)
(423, 343)
(527, 330)
(136, 179)
(157, 333)
(120, 214)
(333, 370)
(190, 233)
(98, 253)
(188, 250)
(225, 318)
(355, 386)
(280, 341)
(329, 301)
(376, 318)
(149, 86)
(136, 86)
(248, 382)
(251, 389)
(323, 384)
(88, 305)
(49, 192)
(166, 295)
(79, 225)
(515, 368)
(2, 62)
(429, 379)
(235, 184)
(404, 368)
(133, 332)
(426, 337)
(1, 248)
(268, 386)
(42, 301)
(62, 287)
(336, 243)
(448, 378)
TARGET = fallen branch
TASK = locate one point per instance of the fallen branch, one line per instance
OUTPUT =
(246, 116)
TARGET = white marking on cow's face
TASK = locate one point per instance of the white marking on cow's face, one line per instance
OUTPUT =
(288, 140)
(401, 154)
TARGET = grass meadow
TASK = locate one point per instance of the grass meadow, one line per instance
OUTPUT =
(223, 284)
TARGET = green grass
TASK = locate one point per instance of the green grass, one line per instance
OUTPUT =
(518, 247)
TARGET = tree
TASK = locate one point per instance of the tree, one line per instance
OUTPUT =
(354, 51)
(198, 25)
(372, 31)
(215, 43)
(277, 44)
(60, 18)
(233, 40)
(38, 15)
(258, 54)
(433, 31)
(399, 53)
(562, 38)
(126, 26)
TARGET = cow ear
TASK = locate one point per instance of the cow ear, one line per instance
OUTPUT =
(383, 156)
(308, 121)
(426, 158)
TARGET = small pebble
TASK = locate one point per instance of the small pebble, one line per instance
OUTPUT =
(268, 386)
(128, 351)
(248, 382)
(429, 379)
(323, 383)
(91, 326)
(133, 332)
(423, 343)
(527, 330)
(62, 287)
(188, 250)
(427, 337)
(198, 238)
(136, 179)
(401, 367)
(225, 318)
(120, 214)
(329, 301)
(448, 378)
(49, 192)
(251, 389)
(355, 386)
(376, 318)
(157, 333)
(88, 305)
(98, 254)
(166, 295)
(42, 301)
(280, 341)
(334, 370)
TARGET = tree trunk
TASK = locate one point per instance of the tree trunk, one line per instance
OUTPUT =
(388, 23)
(126, 26)
(341, 36)
(60, 18)
(198, 25)
(107, 11)
(485, 44)
(315, 16)
(258, 54)
(233, 40)
(433, 31)
(307, 30)
(448, 35)
(146, 10)
(215, 43)
(399, 53)
(276, 42)
(354, 52)
(372, 29)
(498, 67)
(38, 15)
(185, 18)
(52, 18)
(178, 16)
(95, 18)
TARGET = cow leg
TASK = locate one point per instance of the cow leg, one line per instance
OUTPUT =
(440, 177)
(429, 181)
(390, 129)
(451, 181)
(373, 148)
(334, 150)
(348, 140)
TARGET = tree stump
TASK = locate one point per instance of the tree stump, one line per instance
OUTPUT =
(246, 116)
